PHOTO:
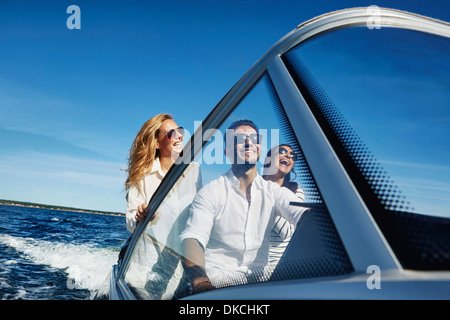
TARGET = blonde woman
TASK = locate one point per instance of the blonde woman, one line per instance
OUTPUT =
(154, 150)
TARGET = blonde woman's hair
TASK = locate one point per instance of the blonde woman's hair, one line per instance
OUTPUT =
(143, 150)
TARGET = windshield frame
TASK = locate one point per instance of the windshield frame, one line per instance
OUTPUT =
(347, 18)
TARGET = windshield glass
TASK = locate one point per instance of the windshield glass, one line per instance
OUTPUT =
(391, 86)
(243, 225)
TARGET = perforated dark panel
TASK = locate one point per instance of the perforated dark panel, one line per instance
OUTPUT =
(373, 173)
(316, 249)
(301, 167)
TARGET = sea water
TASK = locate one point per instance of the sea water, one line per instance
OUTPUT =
(56, 255)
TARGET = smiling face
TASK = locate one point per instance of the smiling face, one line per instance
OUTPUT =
(243, 146)
(279, 162)
(169, 145)
(284, 162)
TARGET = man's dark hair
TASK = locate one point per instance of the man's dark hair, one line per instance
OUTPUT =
(244, 122)
(233, 126)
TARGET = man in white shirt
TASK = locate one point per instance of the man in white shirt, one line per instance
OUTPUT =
(227, 235)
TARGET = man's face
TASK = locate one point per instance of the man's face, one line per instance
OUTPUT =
(245, 144)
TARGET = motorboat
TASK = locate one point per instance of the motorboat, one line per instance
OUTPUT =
(362, 97)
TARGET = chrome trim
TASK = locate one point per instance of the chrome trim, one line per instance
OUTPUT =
(118, 288)
(351, 217)
(395, 284)
(113, 294)
(384, 18)
(124, 290)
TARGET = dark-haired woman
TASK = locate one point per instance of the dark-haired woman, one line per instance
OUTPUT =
(278, 167)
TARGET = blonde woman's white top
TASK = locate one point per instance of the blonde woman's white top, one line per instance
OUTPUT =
(186, 190)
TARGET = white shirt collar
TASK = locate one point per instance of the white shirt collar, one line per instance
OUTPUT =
(156, 168)
(235, 182)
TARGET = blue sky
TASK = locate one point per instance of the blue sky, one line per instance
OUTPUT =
(71, 101)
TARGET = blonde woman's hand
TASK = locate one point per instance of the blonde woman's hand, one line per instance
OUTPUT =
(141, 212)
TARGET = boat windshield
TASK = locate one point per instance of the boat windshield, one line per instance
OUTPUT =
(381, 96)
(243, 237)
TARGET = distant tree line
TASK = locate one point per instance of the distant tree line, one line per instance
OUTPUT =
(52, 207)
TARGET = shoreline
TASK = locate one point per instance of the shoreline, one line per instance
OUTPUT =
(57, 208)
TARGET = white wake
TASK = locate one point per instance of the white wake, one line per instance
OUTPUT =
(87, 266)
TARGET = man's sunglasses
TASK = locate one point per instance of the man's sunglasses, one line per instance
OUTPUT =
(292, 154)
(241, 138)
(172, 134)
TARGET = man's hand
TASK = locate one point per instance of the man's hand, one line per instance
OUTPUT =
(198, 278)
(194, 263)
